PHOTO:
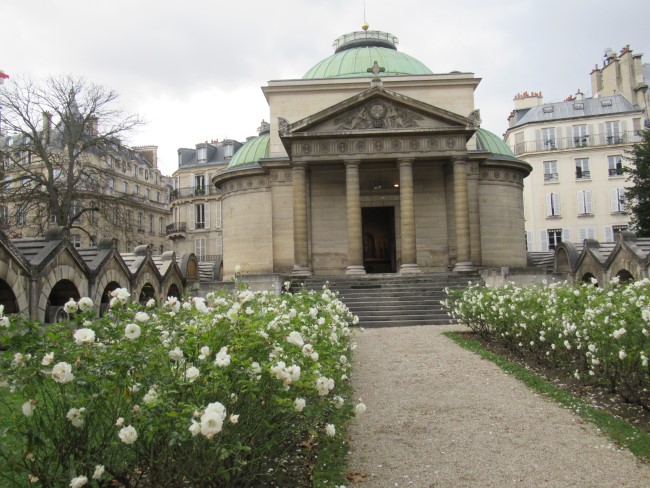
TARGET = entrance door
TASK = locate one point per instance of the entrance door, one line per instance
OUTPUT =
(378, 239)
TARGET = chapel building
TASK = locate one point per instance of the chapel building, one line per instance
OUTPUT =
(372, 163)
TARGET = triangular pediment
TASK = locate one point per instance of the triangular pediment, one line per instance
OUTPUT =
(378, 110)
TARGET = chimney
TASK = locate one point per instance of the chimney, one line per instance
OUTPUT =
(528, 100)
(579, 95)
(47, 126)
(264, 127)
(92, 126)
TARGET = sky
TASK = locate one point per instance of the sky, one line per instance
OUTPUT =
(193, 70)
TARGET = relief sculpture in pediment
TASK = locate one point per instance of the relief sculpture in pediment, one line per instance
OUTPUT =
(378, 115)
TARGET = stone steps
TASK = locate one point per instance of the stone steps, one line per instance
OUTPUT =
(392, 300)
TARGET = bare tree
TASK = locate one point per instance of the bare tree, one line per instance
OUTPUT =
(60, 142)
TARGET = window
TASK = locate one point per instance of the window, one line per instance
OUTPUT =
(219, 244)
(151, 224)
(129, 218)
(161, 223)
(4, 216)
(146, 174)
(76, 241)
(548, 138)
(158, 196)
(128, 247)
(228, 150)
(200, 216)
(147, 193)
(615, 165)
(587, 233)
(135, 170)
(91, 213)
(199, 247)
(585, 203)
(613, 133)
(550, 171)
(553, 208)
(110, 161)
(125, 187)
(612, 232)
(551, 238)
(111, 184)
(199, 184)
(617, 199)
(22, 217)
(116, 216)
(75, 208)
(137, 190)
(202, 154)
(140, 222)
(580, 137)
(582, 169)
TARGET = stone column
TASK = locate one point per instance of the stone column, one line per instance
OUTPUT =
(474, 214)
(355, 238)
(461, 214)
(407, 217)
(300, 252)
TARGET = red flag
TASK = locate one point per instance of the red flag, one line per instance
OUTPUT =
(3, 75)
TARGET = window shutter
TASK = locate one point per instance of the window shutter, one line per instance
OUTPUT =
(583, 233)
(218, 217)
(613, 200)
(190, 217)
(192, 181)
(544, 240)
(549, 205)
(566, 235)
(529, 240)
(609, 234)
(581, 204)
(556, 204)
(591, 233)
(206, 215)
(589, 207)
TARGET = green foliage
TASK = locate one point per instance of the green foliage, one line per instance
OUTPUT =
(638, 197)
(209, 389)
(599, 335)
(626, 435)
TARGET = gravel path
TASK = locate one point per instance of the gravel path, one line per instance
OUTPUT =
(440, 416)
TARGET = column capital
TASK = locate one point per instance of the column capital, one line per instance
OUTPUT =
(299, 164)
(401, 161)
(352, 162)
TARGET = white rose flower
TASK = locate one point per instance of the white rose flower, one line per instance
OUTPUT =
(176, 355)
(119, 422)
(128, 434)
(141, 317)
(84, 336)
(151, 303)
(234, 418)
(4, 321)
(360, 409)
(47, 359)
(85, 304)
(223, 358)
(150, 396)
(205, 352)
(192, 373)
(324, 385)
(330, 430)
(295, 338)
(299, 404)
(29, 407)
(99, 471)
(78, 482)
(70, 306)
(339, 402)
(62, 372)
(622, 354)
(211, 423)
(76, 417)
(195, 428)
(132, 331)
(256, 368)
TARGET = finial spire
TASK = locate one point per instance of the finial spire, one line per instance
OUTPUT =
(364, 26)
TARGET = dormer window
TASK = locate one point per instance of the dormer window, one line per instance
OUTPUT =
(228, 150)
(202, 154)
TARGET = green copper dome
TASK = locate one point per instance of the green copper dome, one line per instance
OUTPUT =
(251, 152)
(357, 51)
(487, 141)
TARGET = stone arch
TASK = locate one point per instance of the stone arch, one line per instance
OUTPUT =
(105, 297)
(624, 276)
(562, 264)
(16, 284)
(59, 273)
(173, 291)
(8, 298)
(588, 277)
(61, 292)
(147, 292)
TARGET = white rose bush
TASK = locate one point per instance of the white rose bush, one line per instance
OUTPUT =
(200, 392)
(599, 335)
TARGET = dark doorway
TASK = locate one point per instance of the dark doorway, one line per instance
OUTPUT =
(378, 239)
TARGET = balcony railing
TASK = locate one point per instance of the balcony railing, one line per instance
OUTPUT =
(582, 175)
(212, 258)
(592, 140)
(615, 171)
(176, 228)
(550, 176)
(192, 192)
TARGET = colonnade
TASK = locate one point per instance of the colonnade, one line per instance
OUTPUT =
(466, 243)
